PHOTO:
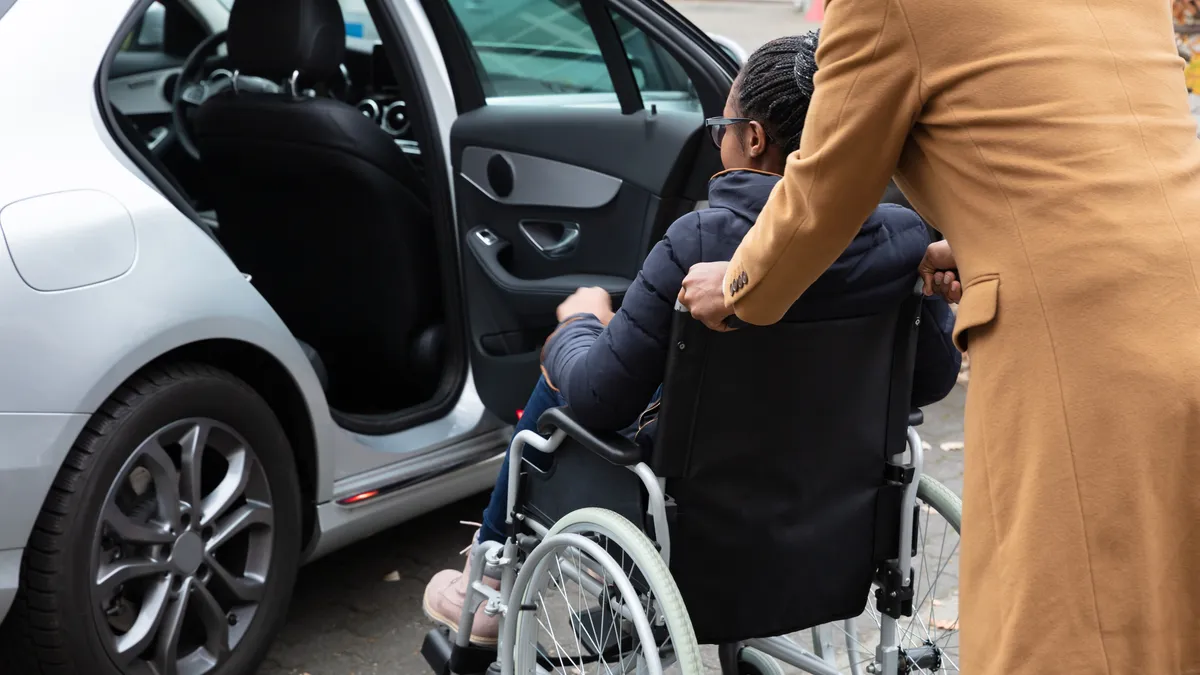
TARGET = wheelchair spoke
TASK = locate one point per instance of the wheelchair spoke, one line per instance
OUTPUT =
(584, 621)
(931, 586)
(865, 659)
(589, 570)
(558, 648)
(927, 638)
(589, 628)
(558, 582)
(579, 595)
(870, 653)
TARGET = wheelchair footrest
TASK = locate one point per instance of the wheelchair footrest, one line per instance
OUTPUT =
(445, 658)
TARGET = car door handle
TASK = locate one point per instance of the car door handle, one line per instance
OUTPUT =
(533, 296)
(552, 239)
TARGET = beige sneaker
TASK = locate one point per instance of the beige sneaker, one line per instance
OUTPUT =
(445, 596)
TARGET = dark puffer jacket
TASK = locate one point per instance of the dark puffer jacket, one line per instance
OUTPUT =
(610, 374)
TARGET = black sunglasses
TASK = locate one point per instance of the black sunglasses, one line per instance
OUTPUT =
(717, 125)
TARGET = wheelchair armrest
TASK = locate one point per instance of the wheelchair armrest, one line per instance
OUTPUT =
(608, 445)
(916, 417)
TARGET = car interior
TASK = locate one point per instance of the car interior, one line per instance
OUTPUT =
(299, 155)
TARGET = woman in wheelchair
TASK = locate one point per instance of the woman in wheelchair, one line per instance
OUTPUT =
(608, 366)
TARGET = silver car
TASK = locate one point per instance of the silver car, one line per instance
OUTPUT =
(275, 278)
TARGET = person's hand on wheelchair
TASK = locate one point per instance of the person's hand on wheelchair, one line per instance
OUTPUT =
(938, 271)
(703, 294)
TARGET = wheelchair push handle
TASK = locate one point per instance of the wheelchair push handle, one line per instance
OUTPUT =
(731, 321)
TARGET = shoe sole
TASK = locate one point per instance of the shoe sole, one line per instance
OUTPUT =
(452, 624)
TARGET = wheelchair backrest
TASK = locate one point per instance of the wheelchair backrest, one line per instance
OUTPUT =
(774, 442)
(798, 394)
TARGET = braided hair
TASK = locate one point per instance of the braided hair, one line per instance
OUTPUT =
(776, 84)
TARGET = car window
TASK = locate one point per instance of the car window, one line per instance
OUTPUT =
(147, 35)
(544, 52)
(358, 19)
(654, 69)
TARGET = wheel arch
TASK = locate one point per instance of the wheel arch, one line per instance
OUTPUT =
(272, 380)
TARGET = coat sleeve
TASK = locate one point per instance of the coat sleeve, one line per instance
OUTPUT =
(608, 374)
(866, 100)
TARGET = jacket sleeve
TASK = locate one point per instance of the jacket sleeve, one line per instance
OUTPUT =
(938, 360)
(608, 374)
(867, 97)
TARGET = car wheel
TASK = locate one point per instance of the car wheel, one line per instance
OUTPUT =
(170, 540)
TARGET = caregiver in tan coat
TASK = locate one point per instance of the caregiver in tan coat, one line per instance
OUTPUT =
(1050, 140)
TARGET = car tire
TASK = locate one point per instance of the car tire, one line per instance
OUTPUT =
(60, 622)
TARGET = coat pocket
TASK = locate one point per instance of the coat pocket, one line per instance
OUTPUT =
(977, 308)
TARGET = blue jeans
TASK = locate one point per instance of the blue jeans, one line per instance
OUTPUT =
(542, 399)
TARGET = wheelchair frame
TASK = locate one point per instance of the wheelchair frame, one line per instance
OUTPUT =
(893, 595)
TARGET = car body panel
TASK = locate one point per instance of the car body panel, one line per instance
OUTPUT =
(29, 461)
(430, 489)
(54, 249)
(10, 577)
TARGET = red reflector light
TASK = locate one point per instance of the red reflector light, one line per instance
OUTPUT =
(360, 497)
(520, 412)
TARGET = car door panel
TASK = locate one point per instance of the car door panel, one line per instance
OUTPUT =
(532, 298)
(621, 147)
(550, 200)
(565, 174)
(544, 182)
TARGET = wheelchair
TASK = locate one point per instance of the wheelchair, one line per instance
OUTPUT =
(780, 490)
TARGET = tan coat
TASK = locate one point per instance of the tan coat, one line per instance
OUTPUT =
(1050, 140)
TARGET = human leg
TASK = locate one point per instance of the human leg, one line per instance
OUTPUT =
(542, 399)
(446, 592)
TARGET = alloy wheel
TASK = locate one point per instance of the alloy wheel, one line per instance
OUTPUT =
(182, 549)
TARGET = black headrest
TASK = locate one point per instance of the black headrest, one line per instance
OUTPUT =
(273, 38)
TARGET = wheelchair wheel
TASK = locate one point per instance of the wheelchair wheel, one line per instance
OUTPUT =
(753, 662)
(928, 638)
(595, 597)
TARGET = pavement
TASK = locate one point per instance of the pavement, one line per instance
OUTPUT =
(358, 611)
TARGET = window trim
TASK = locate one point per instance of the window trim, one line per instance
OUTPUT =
(458, 55)
(688, 45)
(616, 59)
(667, 71)
(107, 114)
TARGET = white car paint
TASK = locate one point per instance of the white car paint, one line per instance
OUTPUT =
(54, 249)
